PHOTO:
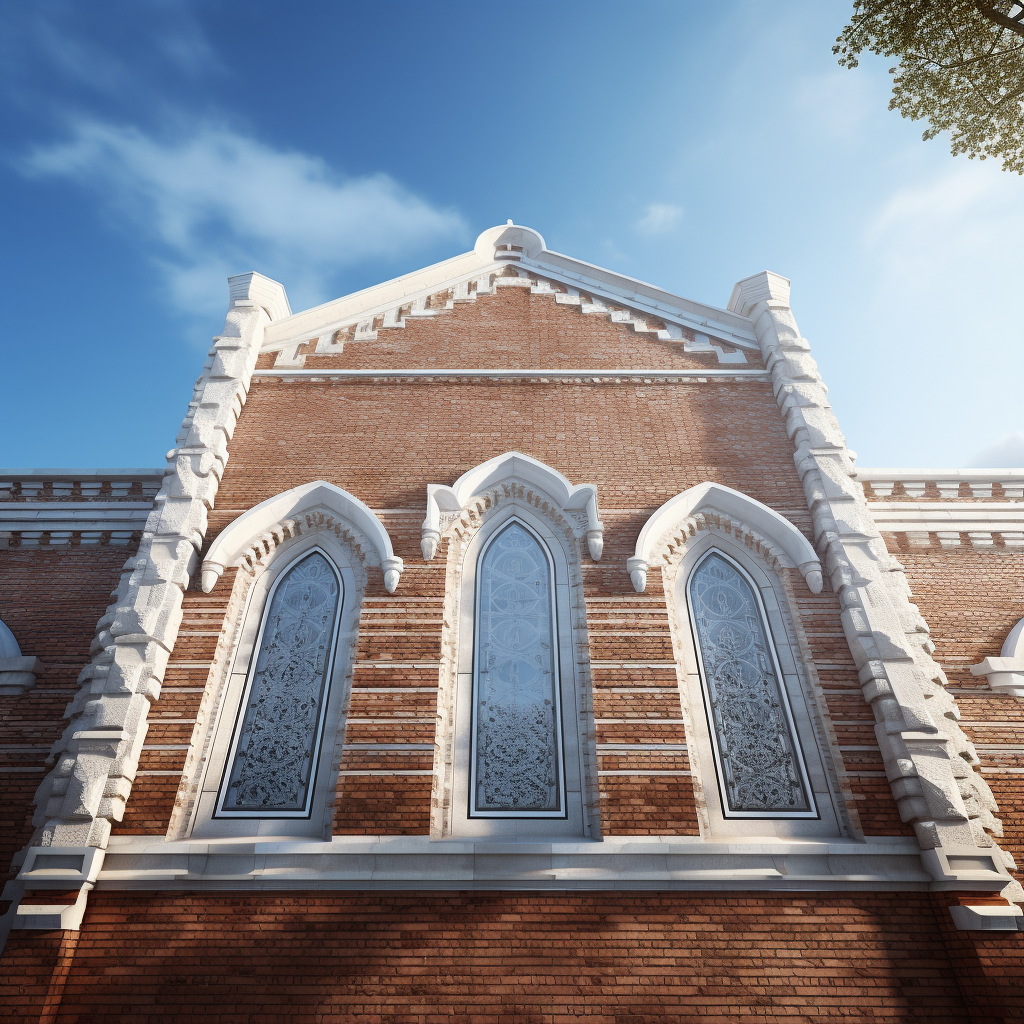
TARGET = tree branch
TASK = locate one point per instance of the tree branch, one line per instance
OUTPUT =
(1015, 24)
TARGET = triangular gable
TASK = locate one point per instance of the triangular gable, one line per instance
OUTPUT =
(593, 290)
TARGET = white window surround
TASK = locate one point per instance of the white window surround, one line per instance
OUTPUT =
(796, 676)
(762, 528)
(578, 504)
(486, 515)
(247, 538)
(212, 739)
(1006, 673)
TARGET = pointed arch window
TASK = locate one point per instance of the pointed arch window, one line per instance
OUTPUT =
(516, 756)
(758, 760)
(275, 749)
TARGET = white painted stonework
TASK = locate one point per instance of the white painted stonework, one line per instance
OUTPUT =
(757, 525)
(982, 521)
(256, 533)
(17, 673)
(98, 754)
(569, 282)
(928, 758)
(1005, 674)
(979, 483)
(579, 504)
(35, 510)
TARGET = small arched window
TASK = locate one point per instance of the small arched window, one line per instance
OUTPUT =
(275, 748)
(516, 758)
(758, 760)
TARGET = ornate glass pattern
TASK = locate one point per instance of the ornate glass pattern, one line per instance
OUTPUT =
(760, 767)
(276, 749)
(516, 755)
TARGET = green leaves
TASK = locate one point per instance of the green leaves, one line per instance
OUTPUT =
(961, 68)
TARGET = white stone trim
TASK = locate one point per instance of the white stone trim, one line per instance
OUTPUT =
(18, 673)
(538, 376)
(640, 863)
(275, 518)
(948, 516)
(987, 918)
(790, 547)
(31, 482)
(537, 268)
(97, 757)
(1006, 673)
(25, 522)
(578, 503)
(979, 481)
(928, 759)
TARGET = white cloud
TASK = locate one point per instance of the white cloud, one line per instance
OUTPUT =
(970, 217)
(1006, 453)
(215, 202)
(659, 219)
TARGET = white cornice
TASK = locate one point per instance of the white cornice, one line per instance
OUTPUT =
(628, 376)
(617, 863)
(491, 254)
(952, 516)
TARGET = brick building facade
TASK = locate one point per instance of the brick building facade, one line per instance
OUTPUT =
(512, 641)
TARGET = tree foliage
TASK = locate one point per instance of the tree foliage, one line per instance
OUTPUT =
(961, 68)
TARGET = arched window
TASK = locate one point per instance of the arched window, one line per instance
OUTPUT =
(272, 761)
(758, 760)
(516, 761)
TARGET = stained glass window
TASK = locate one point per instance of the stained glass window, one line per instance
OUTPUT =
(761, 771)
(516, 757)
(275, 752)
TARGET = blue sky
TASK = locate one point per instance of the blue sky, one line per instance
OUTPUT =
(153, 147)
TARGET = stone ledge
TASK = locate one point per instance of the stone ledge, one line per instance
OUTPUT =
(988, 919)
(415, 862)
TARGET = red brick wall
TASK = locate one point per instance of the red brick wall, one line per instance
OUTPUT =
(971, 598)
(492, 957)
(639, 443)
(51, 598)
(515, 329)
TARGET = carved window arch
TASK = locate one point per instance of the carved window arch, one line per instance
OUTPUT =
(281, 680)
(759, 763)
(516, 764)
(271, 767)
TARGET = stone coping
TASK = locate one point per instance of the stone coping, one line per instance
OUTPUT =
(417, 862)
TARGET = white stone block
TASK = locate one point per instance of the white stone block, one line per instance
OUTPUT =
(1007, 918)
(918, 538)
(981, 540)
(948, 539)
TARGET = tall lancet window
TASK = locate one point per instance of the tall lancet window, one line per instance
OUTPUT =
(760, 766)
(276, 744)
(516, 764)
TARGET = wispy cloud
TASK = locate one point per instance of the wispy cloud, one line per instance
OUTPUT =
(1006, 453)
(214, 202)
(659, 219)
